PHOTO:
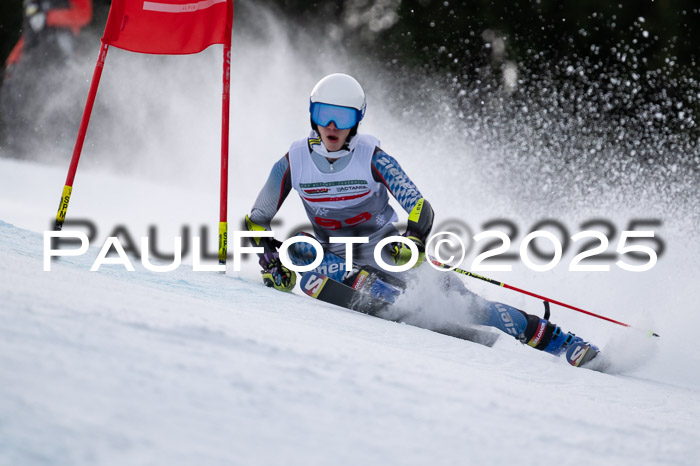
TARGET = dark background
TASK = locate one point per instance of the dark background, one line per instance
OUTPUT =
(10, 25)
(641, 56)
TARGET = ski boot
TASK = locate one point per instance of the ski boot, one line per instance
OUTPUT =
(548, 337)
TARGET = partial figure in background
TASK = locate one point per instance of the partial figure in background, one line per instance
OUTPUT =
(35, 72)
(50, 29)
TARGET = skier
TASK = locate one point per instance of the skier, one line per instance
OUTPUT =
(344, 178)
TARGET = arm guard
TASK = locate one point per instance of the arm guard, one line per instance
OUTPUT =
(269, 244)
(420, 220)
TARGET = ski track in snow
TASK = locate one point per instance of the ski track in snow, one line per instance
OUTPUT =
(117, 367)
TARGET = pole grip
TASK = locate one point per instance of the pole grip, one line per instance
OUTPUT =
(63, 207)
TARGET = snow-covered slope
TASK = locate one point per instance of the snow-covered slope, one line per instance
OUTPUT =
(182, 368)
(117, 367)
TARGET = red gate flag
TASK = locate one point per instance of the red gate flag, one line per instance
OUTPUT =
(164, 27)
(169, 27)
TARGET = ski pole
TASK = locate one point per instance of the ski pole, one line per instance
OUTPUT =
(529, 293)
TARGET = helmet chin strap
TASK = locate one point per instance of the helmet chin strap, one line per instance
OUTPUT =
(319, 147)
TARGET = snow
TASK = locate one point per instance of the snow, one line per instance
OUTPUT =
(117, 367)
(184, 367)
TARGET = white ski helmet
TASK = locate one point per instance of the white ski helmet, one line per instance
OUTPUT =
(339, 90)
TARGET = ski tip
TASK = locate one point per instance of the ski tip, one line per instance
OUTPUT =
(312, 283)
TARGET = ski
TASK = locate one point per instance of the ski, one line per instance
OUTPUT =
(324, 289)
(581, 353)
(321, 287)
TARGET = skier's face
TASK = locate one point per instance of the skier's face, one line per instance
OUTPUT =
(332, 137)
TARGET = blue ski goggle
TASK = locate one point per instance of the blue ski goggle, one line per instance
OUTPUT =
(343, 117)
